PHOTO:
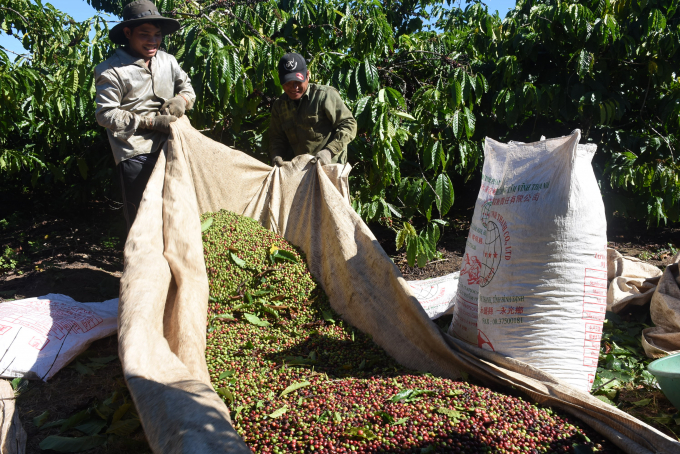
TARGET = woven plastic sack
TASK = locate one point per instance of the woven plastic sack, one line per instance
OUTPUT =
(536, 255)
(39, 336)
(436, 295)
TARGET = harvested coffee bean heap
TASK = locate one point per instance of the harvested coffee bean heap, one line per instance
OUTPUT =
(298, 379)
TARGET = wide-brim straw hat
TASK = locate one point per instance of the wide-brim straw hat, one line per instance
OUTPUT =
(139, 12)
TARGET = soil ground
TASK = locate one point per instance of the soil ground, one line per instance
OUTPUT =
(81, 255)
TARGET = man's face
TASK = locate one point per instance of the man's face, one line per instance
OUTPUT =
(295, 89)
(144, 40)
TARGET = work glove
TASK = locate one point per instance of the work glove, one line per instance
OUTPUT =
(174, 106)
(278, 161)
(158, 123)
(324, 157)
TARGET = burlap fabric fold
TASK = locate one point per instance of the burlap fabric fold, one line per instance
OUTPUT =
(664, 338)
(631, 281)
(164, 295)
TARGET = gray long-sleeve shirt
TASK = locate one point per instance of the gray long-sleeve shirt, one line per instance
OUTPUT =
(128, 90)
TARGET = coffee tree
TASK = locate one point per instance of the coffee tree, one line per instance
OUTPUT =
(48, 134)
(607, 67)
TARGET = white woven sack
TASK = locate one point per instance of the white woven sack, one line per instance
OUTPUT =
(39, 336)
(542, 283)
(437, 295)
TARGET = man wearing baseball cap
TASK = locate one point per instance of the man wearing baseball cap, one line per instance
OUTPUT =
(140, 91)
(308, 118)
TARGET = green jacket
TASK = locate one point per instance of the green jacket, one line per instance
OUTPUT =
(318, 120)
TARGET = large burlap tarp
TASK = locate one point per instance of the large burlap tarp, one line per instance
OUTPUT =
(664, 338)
(164, 294)
(633, 282)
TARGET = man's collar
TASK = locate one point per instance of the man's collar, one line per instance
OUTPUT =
(128, 59)
(309, 88)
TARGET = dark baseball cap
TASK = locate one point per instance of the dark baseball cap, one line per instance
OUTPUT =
(292, 67)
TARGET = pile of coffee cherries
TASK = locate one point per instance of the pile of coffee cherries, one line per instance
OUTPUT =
(298, 379)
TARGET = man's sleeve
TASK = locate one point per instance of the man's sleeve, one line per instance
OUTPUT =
(344, 124)
(109, 114)
(182, 83)
(278, 142)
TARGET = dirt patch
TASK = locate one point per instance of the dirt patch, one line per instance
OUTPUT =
(651, 407)
(81, 281)
(70, 392)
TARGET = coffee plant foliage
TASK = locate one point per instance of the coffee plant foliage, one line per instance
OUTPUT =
(426, 80)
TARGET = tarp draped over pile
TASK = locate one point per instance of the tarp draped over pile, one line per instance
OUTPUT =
(164, 294)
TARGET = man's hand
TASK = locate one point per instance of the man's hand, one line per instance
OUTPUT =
(174, 106)
(158, 123)
(278, 161)
(324, 157)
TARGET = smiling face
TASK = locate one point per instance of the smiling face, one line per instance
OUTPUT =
(144, 40)
(295, 89)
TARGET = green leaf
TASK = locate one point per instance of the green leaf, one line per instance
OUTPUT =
(222, 317)
(456, 94)
(431, 155)
(82, 167)
(362, 111)
(284, 255)
(18, 383)
(371, 73)
(75, 420)
(120, 412)
(69, 444)
(226, 393)
(642, 403)
(49, 425)
(585, 63)
(606, 400)
(386, 417)
(364, 433)
(411, 251)
(123, 427)
(444, 191)
(92, 427)
(469, 122)
(453, 414)
(237, 261)
(455, 392)
(104, 359)
(409, 395)
(41, 419)
(294, 387)
(395, 98)
(280, 412)
(327, 316)
(226, 374)
(458, 123)
(255, 320)
(205, 225)
(403, 115)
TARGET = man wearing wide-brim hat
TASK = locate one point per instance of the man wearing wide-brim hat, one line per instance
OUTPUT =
(140, 91)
